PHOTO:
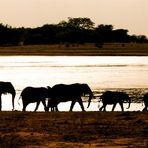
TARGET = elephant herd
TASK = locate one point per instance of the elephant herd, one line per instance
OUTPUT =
(63, 93)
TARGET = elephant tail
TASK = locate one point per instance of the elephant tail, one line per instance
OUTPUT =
(18, 100)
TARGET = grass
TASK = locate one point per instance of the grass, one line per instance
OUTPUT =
(114, 49)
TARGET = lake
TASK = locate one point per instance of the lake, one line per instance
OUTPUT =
(129, 73)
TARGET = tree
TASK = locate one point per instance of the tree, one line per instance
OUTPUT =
(103, 33)
(76, 30)
(120, 35)
(142, 39)
(81, 23)
(8, 35)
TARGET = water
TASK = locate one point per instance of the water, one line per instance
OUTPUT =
(100, 73)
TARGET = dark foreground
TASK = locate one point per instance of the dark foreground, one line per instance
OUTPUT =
(74, 129)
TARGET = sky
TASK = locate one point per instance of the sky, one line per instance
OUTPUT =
(122, 14)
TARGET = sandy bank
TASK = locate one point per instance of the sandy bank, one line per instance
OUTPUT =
(74, 129)
(78, 50)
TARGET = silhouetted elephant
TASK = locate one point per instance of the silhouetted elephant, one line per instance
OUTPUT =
(145, 99)
(7, 87)
(31, 95)
(111, 97)
(73, 92)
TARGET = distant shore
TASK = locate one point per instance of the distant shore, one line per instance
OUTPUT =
(112, 49)
(73, 129)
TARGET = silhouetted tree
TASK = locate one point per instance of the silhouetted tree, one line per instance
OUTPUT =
(74, 30)
(142, 39)
(80, 23)
(8, 35)
(120, 35)
(103, 33)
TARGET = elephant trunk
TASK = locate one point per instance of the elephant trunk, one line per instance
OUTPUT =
(13, 97)
(129, 101)
(13, 93)
(90, 97)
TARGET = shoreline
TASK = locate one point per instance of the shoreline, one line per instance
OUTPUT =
(78, 50)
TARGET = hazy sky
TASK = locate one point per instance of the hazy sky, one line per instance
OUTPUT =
(125, 14)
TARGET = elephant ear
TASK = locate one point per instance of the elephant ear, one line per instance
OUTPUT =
(85, 88)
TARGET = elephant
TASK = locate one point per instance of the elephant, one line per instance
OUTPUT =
(7, 87)
(145, 99)
(114, 97)
(72, 92)
(34, 94)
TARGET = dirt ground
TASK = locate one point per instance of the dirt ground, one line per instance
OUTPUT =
(110, 49)
(73, 129)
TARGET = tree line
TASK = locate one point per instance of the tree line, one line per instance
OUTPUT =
(74, 30)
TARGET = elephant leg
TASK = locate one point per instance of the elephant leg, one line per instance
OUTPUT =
(114, 106)
(145, 109)
(44, 104)
(72, 104)
(24, 104)
(103, 107)
(146, 106)
(24, 107)
(121, 104)
(0, 103)
(81, 104)
(56, 108)
(37, 105)
(52, 109)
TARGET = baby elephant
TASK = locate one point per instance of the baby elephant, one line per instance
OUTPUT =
(114, 97)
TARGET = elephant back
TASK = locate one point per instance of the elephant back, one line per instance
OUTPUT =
(34, 92)
(6, 87)
(71, 90)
